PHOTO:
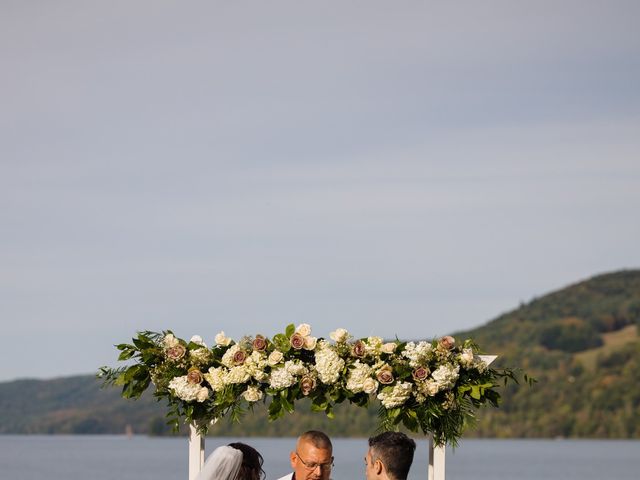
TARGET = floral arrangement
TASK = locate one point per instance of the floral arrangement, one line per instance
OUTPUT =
(429, 386)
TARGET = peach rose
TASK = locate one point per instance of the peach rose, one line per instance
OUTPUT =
(297, 341)
(307, 384)
(420, 373)
(239, 357)
(176, 352)
(385, 375)
(259, 343)
(358, 349)
(447, 342)
(195, 376)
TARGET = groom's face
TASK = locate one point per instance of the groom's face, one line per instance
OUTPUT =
(311, 463)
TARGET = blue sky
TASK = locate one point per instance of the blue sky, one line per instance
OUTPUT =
(394, 168)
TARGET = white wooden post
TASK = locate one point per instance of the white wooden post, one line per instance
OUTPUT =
(196, 452)
(437, 463)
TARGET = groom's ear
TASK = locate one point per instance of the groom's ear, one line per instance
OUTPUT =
(378, 467)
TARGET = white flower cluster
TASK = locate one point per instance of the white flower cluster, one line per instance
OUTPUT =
(170, 340)
(227, 358)
(446, 375)
(340, 335)
(216, 378)
(285, 376)
(188, 391)
(328, 364)
(400, 394)
(418, 354)
(360, 378)
(256, 364)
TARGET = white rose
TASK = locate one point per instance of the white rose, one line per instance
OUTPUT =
(275, 357)
(170, 340)
(388, 347)
(369, 386)
(304, 329)
(252, 394)
(340, 335)
(202, 394)
(222, 339)
(198, 340)
(466, 357)
(310, 342)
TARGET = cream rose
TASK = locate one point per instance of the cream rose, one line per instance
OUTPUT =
(222, 339)
(369, 386)
(304, 329)
(389, 347)
(275, 357)
(310, 342)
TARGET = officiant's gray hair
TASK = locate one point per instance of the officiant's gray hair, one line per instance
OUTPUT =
(317, 438)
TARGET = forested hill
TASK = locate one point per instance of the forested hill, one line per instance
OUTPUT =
(581, 343)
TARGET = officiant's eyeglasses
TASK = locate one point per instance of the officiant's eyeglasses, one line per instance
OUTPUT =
(314, 465)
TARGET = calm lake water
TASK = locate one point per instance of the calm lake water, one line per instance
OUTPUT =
(34, 457)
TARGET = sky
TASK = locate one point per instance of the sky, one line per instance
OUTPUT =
(409, 168)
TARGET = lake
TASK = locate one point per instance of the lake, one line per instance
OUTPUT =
(60, 457)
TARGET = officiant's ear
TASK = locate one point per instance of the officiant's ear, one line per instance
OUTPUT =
(294, 459)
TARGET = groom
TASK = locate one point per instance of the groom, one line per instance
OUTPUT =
(312, 458)
(389, 456)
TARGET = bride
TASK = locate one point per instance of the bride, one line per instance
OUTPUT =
(237, 461)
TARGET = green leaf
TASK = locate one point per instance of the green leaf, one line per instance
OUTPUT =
(290, 330)
(287, 404)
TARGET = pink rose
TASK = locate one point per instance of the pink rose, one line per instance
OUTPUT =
(385, 375)
(420, 373)
(176, 352)
(297, 341)
(358, 349)
(259, 343)
(307, 384)
(447, 342)
(195, 376)
(239, 357)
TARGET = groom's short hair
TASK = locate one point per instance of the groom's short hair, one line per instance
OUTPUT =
(395, 450)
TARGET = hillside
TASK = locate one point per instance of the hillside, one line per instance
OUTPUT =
(582, 345)
(580, 342)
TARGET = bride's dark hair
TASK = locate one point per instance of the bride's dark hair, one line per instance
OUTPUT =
(252, 461)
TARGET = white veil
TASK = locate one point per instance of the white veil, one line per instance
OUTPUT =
(223, 464)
